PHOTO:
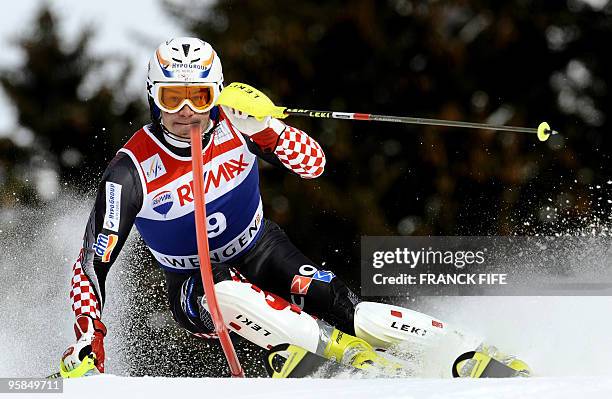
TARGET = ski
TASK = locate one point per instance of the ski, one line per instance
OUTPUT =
(86, 368)
(486, 362)
(54, 376)
(291, 361)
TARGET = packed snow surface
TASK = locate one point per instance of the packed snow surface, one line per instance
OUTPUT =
(566, 340)
(150, 387)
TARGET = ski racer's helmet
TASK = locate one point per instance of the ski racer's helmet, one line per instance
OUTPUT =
(184, 70)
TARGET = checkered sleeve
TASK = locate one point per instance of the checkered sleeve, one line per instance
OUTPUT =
(101, 241)
(82, 295)
(300, 153)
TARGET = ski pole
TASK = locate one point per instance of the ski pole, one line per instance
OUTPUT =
(248, 99)
(543, 130)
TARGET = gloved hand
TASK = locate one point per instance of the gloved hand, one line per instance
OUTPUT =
(248, 124)
(90, 334)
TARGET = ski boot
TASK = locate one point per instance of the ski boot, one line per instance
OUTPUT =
(347, 349)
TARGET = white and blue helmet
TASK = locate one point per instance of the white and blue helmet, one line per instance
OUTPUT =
(185, 60)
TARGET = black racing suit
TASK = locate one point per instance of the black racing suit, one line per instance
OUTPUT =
(272, 263)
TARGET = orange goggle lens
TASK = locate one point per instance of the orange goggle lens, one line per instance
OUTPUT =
(172, 97)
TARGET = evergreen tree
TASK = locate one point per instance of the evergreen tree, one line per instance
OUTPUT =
(517, 62)
(13, 187)
(77, 134)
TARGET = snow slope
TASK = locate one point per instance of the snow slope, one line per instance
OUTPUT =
(149, 387)
(566, 340)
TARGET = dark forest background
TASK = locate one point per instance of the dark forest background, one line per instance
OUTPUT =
(506, 62)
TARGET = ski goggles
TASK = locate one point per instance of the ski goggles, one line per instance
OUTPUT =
(171, 97)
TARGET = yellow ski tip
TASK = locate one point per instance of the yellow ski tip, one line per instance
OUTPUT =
(521, 367)
(249, 100)
(544, 131)
(86, 366)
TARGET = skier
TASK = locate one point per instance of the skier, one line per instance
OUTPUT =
(267, 289)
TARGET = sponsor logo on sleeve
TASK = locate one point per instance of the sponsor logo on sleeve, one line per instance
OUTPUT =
(300, 285)
(104, 246)
(113, 206)
(153, 168)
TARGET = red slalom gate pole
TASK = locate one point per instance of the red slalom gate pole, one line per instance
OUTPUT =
(203, 253)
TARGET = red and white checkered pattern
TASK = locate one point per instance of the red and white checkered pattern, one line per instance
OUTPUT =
(83, 298)
(300, 153)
